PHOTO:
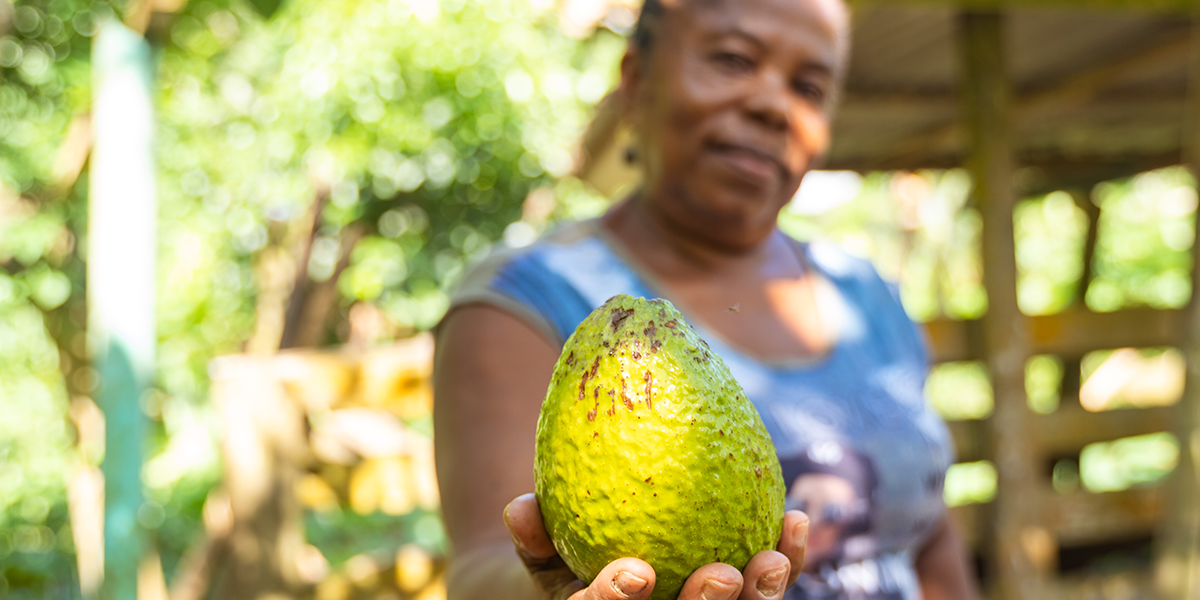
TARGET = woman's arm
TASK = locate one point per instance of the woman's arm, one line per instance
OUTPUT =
(491, 372)
(942, 565)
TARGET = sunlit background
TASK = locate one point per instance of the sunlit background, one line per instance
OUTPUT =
(370, 150)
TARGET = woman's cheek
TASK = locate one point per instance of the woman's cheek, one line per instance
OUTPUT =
(813, 132)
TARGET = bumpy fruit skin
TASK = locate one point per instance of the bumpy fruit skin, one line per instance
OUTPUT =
(647, 447)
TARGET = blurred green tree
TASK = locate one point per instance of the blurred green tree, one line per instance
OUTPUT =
(339, 152)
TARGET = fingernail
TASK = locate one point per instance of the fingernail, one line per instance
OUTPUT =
(770, 584)
(627, 584)
(717, 590)
(800, 533)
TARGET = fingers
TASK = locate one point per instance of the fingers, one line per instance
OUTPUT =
(766, 576)
(533, 546)
(622, 579)
(793, 541)
(524, 521)
(715, 581)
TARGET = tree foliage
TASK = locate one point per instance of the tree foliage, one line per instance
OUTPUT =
(420, 126)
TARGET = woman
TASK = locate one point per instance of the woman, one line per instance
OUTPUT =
(730, 101)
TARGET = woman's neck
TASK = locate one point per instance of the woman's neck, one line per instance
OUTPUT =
(669, 248)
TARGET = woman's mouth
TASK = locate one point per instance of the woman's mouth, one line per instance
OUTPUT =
(748, 163)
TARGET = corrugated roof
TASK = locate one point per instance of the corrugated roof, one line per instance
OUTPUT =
(1102, 88)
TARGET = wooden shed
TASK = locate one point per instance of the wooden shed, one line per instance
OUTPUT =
(1031, 97)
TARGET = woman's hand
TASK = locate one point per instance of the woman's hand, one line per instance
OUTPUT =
(768, 574)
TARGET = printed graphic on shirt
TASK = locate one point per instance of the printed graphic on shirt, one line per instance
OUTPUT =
(836, 485)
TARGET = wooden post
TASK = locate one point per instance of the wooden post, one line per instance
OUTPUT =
(1178, 568)
(122, 220)
(1023, 549)
(1083, 199)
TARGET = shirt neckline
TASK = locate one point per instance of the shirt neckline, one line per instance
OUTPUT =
(826, 293)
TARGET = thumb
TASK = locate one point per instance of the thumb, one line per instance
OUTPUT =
(621, 579)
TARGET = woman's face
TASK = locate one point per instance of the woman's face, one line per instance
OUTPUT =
(732, 108)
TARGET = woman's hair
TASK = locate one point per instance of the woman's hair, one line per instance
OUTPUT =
(647, 25)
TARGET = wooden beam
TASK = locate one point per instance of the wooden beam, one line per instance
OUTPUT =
(1080, 518)
(1039, 173)
(1079, 88)
(940, 101)
(986, 112)
(1096, 583)
(1143, 6)
(1084, 518)
(970, 439)
(1069, 334)
(1083, 199)
(1179, 558)
(1065, 432)
(1076, 332)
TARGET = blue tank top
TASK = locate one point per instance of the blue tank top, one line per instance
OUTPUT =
(861, 451)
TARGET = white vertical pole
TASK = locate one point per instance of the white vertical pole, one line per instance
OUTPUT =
(122, 217)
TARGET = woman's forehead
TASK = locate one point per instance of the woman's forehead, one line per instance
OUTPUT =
(831, 17)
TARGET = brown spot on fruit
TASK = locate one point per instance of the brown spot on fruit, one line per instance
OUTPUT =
(571, 359)
(649, 478)
(625, 394)
(637, 355)
(592, 416)
(583, 383)
(721, 431)
(758, 472)
(670, 323)
(619, 315)
(649, 385)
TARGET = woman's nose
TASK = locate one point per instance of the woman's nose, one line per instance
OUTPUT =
(769, 101)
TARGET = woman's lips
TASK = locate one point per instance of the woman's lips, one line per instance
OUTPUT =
(747, 163)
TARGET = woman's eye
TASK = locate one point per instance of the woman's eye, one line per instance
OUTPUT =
(813, 93)
(733, 61)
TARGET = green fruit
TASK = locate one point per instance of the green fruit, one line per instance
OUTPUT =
(647, 447)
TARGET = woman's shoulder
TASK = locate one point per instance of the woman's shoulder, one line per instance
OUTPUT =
(833, 261)
(534, 282)
(545, 259)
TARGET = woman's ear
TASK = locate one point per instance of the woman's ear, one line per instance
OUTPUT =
(631, 82)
